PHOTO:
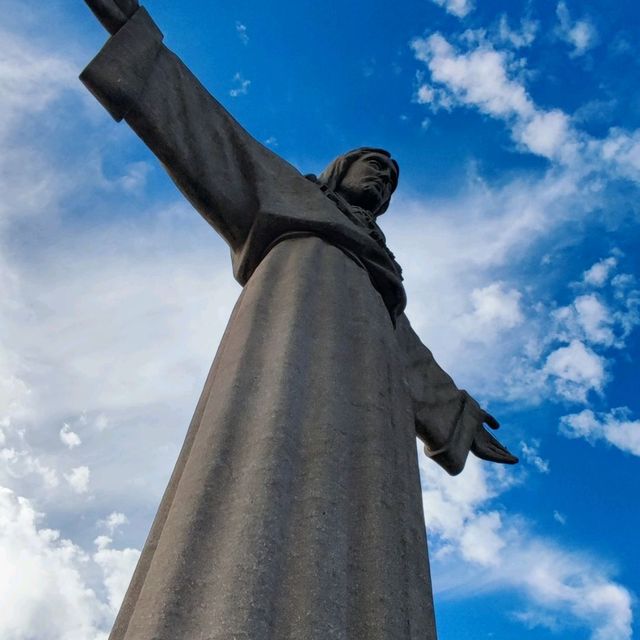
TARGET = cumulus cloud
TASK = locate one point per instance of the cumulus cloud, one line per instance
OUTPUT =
(604, 318)
(43, 584)
(616, 427)
(69, 438)
(458, 8)
(117, 567)
(598, 274)
(594, 319)
(495, 309)
(78, 479)
(114, 521)
(576, 370)
(580, 34)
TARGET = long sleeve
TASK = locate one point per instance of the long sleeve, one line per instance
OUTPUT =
(446, 417)
(224, 172)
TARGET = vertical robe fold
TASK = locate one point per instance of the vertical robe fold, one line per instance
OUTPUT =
(294, 510)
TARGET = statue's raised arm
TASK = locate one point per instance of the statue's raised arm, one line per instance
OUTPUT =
(223, 171)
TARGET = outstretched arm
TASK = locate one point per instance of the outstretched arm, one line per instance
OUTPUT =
(224, 172)
(448, 420)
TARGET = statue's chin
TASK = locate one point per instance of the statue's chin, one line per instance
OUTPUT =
(368, 199)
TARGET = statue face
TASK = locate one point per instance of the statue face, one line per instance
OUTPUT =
(369, 181)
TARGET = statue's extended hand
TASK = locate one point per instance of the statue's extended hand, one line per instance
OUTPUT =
(485, 446)
(113, 13)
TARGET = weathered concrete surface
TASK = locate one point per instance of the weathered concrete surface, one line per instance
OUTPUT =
(295, 509)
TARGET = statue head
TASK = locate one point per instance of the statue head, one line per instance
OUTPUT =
(364, 177)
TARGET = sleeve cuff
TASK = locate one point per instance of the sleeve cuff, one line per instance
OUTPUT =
(453, 455)
(118, 74)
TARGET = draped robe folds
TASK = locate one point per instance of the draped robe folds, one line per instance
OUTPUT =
(294, 510)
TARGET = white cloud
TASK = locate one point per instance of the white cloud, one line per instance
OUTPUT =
(576, 371)
(78, 479)
(69, 438)
(544, 133)
(581, 34)
(114, 521)
(561, 588)
(614, 427)
(491, 80)
(241, 30)
(117, 567)
(43, 587)
(531, 453)
(560, 518)
(19, 464)
(518, 39)
(604, 318)
(481, 539)
(478, 78)
(595, 319)
(31, 79)
(598, 274)
(458, 8)
(482, 78)
(494, 304)
(241, 86)
(495, 309)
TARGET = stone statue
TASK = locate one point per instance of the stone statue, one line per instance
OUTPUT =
(294, 510)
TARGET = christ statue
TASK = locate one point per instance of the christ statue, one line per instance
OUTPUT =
(294, 511)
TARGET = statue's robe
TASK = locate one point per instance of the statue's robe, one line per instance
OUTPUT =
(294, 510)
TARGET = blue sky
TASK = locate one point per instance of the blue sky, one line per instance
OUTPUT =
(516, 126)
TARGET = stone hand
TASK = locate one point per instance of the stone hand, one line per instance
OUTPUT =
(485, 446)
(113, 13)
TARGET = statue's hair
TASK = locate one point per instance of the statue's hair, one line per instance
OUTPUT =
(332, 176)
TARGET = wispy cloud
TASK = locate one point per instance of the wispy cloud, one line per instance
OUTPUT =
(560, 587)
(241, 86)
(531, 454)
(241, 30)
(489, 79)
(617, 428)
(517, 38)
(580, 34)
